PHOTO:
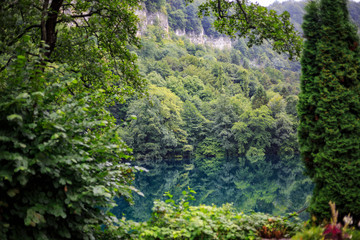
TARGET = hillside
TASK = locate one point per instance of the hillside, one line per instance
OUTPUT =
(296, 10)
(203, 100)
(207, 100)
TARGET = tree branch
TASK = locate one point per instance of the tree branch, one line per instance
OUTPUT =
(11, 5)
(86, 15)
(43, 20)
(220, 11)
(243, 11)
(7, 64)
(20, 35)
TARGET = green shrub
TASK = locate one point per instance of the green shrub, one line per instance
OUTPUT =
(60, 156)
(313, 233)
(178, 220)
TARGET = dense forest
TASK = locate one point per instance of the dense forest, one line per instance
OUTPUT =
(206, 102)
(231, 112)
(199, 119)
(214, 112)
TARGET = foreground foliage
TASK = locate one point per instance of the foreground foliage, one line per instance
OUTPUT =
(62, 63)
(60, 159)
(334, 230)
(178, 220)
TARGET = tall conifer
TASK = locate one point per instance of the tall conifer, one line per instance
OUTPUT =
(309, 91)
(329, 108)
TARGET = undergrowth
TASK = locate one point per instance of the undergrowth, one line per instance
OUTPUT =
(178, 220)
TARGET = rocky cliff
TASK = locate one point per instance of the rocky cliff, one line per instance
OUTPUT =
(161, 19)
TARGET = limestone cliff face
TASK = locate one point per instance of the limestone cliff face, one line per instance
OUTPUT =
(161, 19)
(149, 18)
(201, 38)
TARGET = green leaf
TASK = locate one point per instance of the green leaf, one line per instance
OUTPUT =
(101, 191)
(23, 96)
(14, 117)
(33, 218)
(13, 192)
(38, 94)
(6, 174)
(55, 136)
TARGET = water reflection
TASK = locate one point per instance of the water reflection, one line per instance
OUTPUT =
(270, 185)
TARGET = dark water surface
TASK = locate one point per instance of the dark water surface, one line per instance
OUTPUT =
(270, 185)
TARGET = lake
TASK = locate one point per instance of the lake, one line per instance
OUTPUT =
(269, 184)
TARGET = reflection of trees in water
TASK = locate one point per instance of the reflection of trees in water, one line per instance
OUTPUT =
(272, 186)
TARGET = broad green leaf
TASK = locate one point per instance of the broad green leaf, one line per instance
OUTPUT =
(14, 117)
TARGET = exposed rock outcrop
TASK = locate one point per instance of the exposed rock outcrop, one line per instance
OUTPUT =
(161, 19)
(149, 18)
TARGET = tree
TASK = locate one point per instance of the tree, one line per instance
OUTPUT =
(156, 133)
(177, 19)
(63, 63)
(91, 37)
(260, 98)
(284, 139)
(329, 131)
(224, 112)
(195, 123)
(255, 22)
(154, 5)
(192, 22)
(253, 132)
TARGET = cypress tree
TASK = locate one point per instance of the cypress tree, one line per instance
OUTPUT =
(329, 108)
(309, 91)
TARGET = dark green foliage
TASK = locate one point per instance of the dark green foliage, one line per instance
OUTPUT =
(295, 8)
(260, 98)
(253, 133)
(224, 113)
(207, 24)
(60, 155)
(154, 5)
(193, 23)
(329, 131)
(62, 160)
(284, 140)
(195, 123)
(177, 19)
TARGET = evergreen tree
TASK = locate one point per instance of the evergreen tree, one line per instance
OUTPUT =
(260, 98)
(309, 92)
(329, 108)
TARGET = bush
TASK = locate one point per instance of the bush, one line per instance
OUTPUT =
(61, 156)
(178, 220)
